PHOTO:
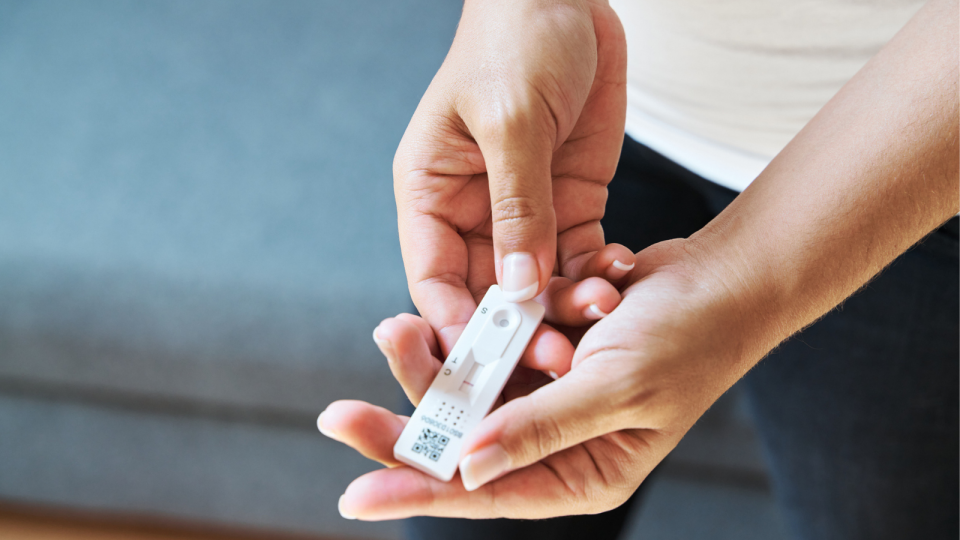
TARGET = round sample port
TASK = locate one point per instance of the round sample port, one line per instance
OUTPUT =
(506, 318)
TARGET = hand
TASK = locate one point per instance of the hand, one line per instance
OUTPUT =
(581, 444)
(501, 175)
(413, 351)
(813, 228)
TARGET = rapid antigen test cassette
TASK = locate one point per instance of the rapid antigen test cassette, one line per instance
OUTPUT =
(468, 384)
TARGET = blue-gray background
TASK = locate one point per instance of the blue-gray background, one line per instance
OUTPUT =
(197, 235)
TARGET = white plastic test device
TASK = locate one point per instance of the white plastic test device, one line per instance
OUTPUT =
(469, 382)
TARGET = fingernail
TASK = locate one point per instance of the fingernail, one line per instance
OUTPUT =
(520, 277)
(343, 514)
(553, 375)
(617, 270)
(593, 312)
(483, 466)
(325, 431)
(385, 346)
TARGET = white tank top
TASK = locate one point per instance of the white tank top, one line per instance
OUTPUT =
(721, 86)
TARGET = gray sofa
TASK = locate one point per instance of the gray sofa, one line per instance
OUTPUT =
(197, 236)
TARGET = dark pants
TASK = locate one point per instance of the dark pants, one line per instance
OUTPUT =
(858, 413)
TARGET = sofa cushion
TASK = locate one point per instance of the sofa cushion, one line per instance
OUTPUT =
(196, 204)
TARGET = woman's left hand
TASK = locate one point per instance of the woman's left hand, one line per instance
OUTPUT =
(638, 380)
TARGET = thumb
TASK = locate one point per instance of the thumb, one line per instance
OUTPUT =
(564, 413)
(517, 151)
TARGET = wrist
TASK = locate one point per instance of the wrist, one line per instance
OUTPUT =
(518, 20)
(687, 323)
(721, 299)
(727, 270)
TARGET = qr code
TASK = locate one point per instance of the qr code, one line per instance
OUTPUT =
(431, 444)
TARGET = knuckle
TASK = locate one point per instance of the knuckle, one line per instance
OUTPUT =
(516, 117)
(514, 208)
(505, 114)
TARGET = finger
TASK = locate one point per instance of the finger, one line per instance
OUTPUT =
(368, 429)
(580, 204)
(613, 263)
(425, 330)
(403, 492)
(549, 351)
(522, 382)
(517, 144)
(588, 478)
(408, 354)
(483, 272)
(435, 256)
(576, 304)
(566, 412)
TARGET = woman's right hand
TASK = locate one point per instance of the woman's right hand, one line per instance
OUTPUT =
(501, 175)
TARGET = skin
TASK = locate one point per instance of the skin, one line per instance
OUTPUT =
(869, 176)
(511, 150)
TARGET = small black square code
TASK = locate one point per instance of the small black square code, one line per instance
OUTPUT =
(431, 444)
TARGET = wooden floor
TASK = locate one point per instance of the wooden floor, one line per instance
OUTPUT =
(33, 523)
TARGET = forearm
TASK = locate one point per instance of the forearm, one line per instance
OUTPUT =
(869, 176)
